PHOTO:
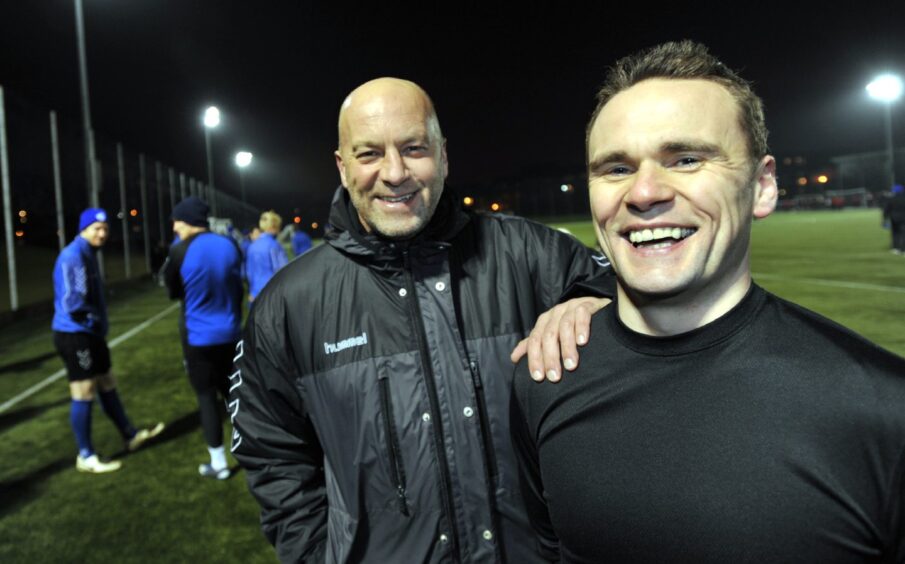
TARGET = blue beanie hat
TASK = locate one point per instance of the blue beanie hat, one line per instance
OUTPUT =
(91, 215)
(191, 210)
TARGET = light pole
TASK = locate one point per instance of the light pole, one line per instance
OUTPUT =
(91, 172)
(211, 120)
(887, 88)
(243, 159)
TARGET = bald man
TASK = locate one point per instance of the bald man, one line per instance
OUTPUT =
(371, 403)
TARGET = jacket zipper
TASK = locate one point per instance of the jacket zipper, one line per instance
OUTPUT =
(484, 419)
(397, 471)
(436, 424)
(489, 453)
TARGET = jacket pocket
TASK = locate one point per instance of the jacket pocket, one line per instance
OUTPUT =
(397, 471)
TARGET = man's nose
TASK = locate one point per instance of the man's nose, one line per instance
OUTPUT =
(394, 171)
(651, 186)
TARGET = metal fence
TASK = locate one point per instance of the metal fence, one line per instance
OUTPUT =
(45, 188)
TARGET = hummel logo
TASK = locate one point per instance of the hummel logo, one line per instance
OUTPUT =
(358, 341)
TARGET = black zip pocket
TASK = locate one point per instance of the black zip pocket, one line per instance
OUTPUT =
(484, 419)
(397, 471)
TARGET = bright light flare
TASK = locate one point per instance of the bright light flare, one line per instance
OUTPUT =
(243, 159)
(468, 200)
(495, 206)
(211, 117)
(886, 88)
(823, 179)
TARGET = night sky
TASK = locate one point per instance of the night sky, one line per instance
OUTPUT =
(513, 86)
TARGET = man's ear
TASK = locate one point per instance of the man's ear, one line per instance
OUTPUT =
(339, 166)
(765, 189)
(444, 160)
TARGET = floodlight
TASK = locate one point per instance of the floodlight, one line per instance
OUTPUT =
(886, 88)
(211, 117)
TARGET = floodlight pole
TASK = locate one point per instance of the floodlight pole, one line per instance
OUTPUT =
(90, 155)
(890, 151)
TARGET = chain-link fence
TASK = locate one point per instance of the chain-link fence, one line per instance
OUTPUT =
(45, 188)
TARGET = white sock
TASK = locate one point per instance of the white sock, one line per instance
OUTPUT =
(218, 457)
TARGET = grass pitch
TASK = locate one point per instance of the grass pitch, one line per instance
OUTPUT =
(158, 509)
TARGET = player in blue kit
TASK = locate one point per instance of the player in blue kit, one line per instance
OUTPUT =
(265, 255)
(204, 270)
(79, 330)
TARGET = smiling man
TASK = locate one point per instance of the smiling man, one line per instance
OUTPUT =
(371, 406)
(709, 421)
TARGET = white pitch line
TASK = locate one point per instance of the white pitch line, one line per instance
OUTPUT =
(833, 283)
(61, 372)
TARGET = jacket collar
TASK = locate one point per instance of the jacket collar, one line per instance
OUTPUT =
(347, 235)
(84, 246)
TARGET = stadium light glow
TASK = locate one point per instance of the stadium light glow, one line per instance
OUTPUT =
(296, 219)
(823, 179)
(886, 88)
(495, 206)
(314, 225)
(802, 181)
(22, 213)
(243, 159)
(133, 212)
(211, 117)
(468, 200)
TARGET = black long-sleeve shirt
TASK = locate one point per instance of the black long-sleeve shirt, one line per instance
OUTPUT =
(769, 435)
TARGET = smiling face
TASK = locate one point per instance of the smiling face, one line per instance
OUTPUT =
(96, 234)
(391, 157)
(673, 192)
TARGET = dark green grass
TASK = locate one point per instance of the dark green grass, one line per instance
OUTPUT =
(158, 509)
(836, 263)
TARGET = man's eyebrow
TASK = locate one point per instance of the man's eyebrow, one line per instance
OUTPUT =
(369, 143)
(683, 146)
(611, 157)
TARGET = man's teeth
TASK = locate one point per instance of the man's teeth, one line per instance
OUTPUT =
(397, 199)
(658, 233)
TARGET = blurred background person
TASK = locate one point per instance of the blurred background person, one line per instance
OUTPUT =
(265, 254)
(204, 271)
(79, 335)
(894, 214)
(301, 241)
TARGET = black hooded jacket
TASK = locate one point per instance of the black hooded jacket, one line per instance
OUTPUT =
(371, 402)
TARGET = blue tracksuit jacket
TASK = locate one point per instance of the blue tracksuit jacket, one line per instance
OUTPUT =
(78, 291)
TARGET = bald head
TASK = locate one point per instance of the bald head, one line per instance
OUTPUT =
(391, 156)
(375, 96)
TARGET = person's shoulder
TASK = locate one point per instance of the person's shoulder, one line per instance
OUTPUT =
(309, 271)
(522, 229)
(71, 252)
(829, 338)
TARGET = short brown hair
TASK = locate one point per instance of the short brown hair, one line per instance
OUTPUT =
(686, 60)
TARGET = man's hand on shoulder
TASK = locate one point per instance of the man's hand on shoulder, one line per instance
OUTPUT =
(556, 337)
